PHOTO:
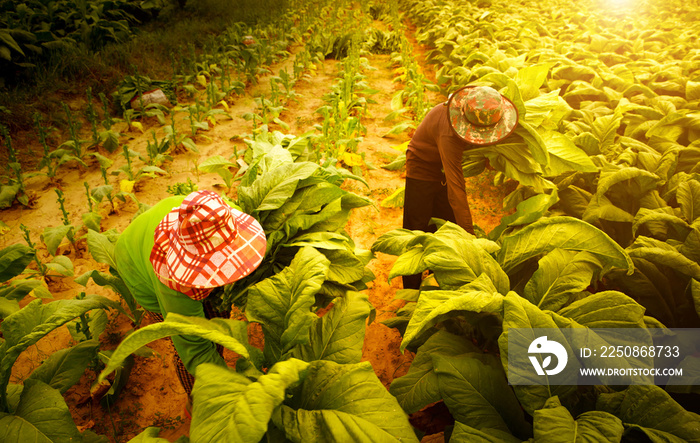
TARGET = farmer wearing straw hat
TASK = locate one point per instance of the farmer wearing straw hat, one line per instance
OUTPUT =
(474, 116)
(172, 256)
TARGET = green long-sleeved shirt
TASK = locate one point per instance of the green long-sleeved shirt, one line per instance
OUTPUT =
(132, 254)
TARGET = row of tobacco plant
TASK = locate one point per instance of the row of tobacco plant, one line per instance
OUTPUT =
(211, 77)
(605, 229)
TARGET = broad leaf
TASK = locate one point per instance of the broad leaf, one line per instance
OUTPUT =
(150, 435)
(339, 335)
(101, 248)
(61, 265)
(345, 266)
(398, 241)
(282, 303)
(216, 330)
(530, 79)
(519, 313)
(54, 236)
(662, 253)
(565, 233)
(409, 263)
(560, 276)
(18, 289)
(652, 411)
(606, 309)
(526, 212)
(272, 189)
(229, 407)
(433, 306)
(688, 196)
(457, 259)
(554, 423)
(92, 220)
(343, 403)
(13, 260)
(41, 416)
(475, 390)
(565, 156)
(64, 368)
(419, 387)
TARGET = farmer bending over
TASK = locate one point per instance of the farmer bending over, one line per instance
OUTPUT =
(474, 116)
(174, 254)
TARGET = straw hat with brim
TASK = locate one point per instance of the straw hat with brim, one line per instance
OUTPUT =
(480, 115)
(205, 243)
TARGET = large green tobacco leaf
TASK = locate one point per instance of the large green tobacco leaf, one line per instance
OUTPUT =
(398, 241)
(526, 212)
(308, 200)
(560, 276)
(345, 267)
(13, 260)
(530, 79)
(434, 306)
(601, 208)
(41, 416)
(457, 259)
(339, 335)
(662, 253)
(64, 368)
(409, 263)
(691, 246)
(519, 313)
(466, 434)
(606, 309)
(688, 196)
(282, 303)
(633, 182)
(653, 289)
(274, 188)
(343, 403)
(225, 332)
(18, 289)
(574, 200)
(475, 390)
(565, 156)
(101, 248)
(658, 222)
(547, 110)
(53, 237)
(605, 130)
(565, 233)
(650, 410)
(554, 423)
(229, 407)
(419, 387)
(26, 326)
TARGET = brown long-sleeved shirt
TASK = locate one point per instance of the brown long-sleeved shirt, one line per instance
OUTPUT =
(435, 154)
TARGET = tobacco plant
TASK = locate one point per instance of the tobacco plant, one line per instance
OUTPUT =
(542, 276)
(308, 374)
(36, 409)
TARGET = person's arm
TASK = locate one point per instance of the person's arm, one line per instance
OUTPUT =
(451, 155)
(192, 350)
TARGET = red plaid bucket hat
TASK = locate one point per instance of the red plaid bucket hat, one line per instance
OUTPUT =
(480, 115)
(205, 243)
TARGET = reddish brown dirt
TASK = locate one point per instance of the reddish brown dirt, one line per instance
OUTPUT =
(153, 396)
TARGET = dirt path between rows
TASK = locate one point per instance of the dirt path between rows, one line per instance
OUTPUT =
(153, 396)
